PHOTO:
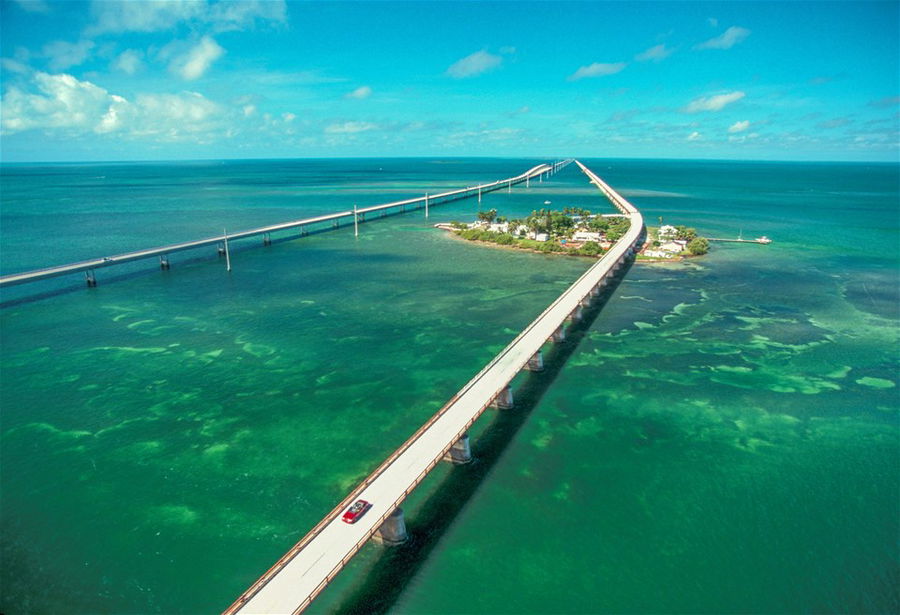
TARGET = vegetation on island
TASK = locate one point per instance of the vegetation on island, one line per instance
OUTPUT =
(547, 231)
(577, 232)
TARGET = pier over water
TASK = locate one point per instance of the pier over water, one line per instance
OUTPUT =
(292, 583)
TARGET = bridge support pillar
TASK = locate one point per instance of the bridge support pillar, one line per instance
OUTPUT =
(559, 335)
(393, 531)
(164, 261)
(220, 250)
(89, 278)
(536, 362)
(575, 316)
(504, 399)
(460, 453)
(267, 240)
(595, 292)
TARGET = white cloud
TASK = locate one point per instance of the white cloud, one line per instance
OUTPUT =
(713, 22)
(147, 16)
(249, 110)
(474, 64)
(128, 62)
(349, 127)
(64, 103)
(694, 136)
(597, 69)
(360, 93)
(14, 66)
(63, 55)
(158, 15)
(288, 117)
(739, 126)
(657, 53)
(34, 6)
(713, 103)
(197, 60)
(728, 39)
(239, 15)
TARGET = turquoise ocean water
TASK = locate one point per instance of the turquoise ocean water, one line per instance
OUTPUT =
(724, 439)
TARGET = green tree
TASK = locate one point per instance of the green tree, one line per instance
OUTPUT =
(698, 246)
(598, 224)
(487, 216)
(685, 233)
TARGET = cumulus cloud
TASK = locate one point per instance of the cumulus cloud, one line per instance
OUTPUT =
(62, 102)
(657, 53)
(739, 126)
(728, 39)
(62, 55)
(474, 64)
(694, 136)
(159, 15)
(349, 128)
(597, 69)
(128, 62)
(360, 93)
(193, 64)
(713, 103)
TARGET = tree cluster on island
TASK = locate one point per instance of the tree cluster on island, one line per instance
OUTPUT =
(547, 230)
(687, 237)
(576, 231)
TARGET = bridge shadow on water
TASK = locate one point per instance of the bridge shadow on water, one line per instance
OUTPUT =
(396, 566)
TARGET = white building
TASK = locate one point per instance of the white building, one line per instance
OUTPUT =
(658, 254)
(587, 236)
(672, 246)
(541, 236)
(667, 231)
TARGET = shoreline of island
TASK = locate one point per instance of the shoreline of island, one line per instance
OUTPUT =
(576, 232)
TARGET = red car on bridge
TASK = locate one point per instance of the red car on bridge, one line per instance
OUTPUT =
(357, 510)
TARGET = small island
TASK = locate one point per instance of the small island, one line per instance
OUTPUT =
(577, 232)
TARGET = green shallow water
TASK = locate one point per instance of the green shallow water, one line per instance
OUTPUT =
(724, 439)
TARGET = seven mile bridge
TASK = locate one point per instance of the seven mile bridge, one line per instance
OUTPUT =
(292, 583)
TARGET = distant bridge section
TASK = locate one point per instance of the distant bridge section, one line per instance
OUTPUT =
(307, 568)
(354, 215)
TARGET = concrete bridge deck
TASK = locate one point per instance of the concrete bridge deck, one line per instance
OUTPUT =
(358, 214)
(307, 568)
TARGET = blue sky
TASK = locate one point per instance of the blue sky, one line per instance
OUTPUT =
(201, 79)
